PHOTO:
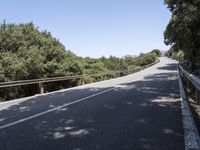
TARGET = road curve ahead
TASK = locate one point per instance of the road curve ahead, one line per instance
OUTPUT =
(141, 111)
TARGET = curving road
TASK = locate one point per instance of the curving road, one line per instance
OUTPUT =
(141, 111)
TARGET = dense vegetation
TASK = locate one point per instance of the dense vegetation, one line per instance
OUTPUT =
(27, 53)
(183, 32)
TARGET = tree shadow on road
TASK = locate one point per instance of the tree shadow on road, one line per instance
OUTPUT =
(141, 115)
(169, 67)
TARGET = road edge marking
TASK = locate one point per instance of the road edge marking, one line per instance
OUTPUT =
(191, 137)
(53, 109)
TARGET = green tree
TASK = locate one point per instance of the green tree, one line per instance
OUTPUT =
(183, 30)
(145, 59)
(157, 52)
(38, 52)
(27, 53)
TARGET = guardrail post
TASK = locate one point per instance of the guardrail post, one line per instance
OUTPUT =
(197, 96)
(41, 87)
(187, 83)
(83, 82)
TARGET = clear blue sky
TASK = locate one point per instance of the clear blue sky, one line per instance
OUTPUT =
(95, 27)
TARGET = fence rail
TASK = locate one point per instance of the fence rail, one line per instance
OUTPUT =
(41, 82)
(191, 82)
(38, 81)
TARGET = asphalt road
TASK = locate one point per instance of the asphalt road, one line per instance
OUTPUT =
(141, 111)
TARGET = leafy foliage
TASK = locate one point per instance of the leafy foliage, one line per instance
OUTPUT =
(157, 52)
(145, 59)
(27, 53)
(183, 30)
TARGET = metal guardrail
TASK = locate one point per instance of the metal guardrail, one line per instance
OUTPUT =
(38, 81)
(191, 82)
(41, 82)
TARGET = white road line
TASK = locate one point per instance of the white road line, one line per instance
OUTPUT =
(191, 136)
(53, 109)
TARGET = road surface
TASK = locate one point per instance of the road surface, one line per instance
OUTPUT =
(141, 111)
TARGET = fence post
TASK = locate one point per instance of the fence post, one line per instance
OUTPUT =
(41, 87)
(197, 96)
(187, 83)
(83, 82)
(118, 74)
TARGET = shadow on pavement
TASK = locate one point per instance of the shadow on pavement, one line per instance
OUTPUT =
(169, 67)
(142, 115)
